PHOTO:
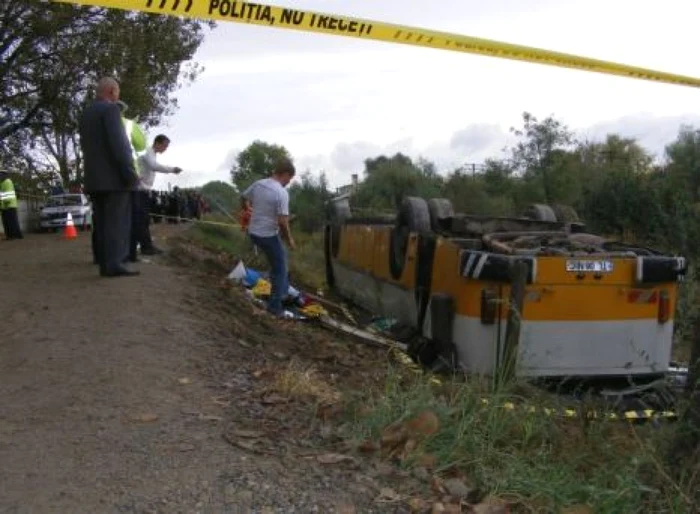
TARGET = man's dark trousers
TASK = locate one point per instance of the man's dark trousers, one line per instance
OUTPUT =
(95, 245)
(10, 223)
(112, 226)
(140, 221)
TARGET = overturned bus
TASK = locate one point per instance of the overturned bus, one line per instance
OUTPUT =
(589, 307)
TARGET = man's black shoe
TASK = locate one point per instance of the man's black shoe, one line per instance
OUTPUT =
(120, 272)
(151, 251)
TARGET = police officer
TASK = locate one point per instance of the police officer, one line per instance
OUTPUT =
(8, 207)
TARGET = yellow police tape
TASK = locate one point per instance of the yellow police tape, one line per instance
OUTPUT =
(631, 415)
(295, 19)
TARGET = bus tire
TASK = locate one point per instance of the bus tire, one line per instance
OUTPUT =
(441, 212)
(540, 212)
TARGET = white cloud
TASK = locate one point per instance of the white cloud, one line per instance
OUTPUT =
(334, 101)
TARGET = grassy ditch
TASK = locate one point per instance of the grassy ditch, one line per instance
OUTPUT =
(535, 462)
(306, 264)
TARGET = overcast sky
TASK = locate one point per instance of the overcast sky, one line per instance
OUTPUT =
(334, 101)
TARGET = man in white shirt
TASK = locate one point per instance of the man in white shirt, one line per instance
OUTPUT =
(148, 166)
(269, 201)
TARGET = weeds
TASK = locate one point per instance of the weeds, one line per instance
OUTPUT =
(543, 463)
(306, 264)
(547, 463)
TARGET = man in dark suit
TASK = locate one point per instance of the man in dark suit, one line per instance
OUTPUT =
(110, 176)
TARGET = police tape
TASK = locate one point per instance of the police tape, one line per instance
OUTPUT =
(153, 215)
(559, 412)
(194, 220)
(330, 24)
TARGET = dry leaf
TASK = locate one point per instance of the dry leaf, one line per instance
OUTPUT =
(334, 458)
(417, 505)
(219, 400)
(393, 438)
(410, 445)
(209, 417)
(457, 488)
(247, 434)
(387, 495)
(273, 399)
(144, 418)
(329, 411)
(346, 509)
(425, 424)
(436, 486)
(438, 508)
(578, 509)
(364, 412)
(184, 381)
(427, 461)
(246, 445)
(368, 446)
(491, 505)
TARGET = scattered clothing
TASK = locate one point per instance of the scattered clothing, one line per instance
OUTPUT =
(294, 305)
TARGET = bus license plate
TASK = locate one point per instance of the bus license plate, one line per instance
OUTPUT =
(583, 266)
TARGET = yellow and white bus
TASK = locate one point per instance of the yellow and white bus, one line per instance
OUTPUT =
(591, 307)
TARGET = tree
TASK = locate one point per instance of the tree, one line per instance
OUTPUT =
(536, 156)
(257, 161)
(684, 161)
(61, 52)
(308, 199)
(488, 193)
(221, 195)
(389, 179)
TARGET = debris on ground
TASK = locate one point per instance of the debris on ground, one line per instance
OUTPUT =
(298, 306)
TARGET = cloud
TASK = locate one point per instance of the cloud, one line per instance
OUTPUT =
(228, 161)
(335, 101)
(476, 139)
(651, 132)
(469, 144)
(349, 157)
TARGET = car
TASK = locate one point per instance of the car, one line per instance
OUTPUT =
(53, 215)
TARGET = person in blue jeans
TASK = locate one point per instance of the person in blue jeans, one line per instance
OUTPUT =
(269, 226)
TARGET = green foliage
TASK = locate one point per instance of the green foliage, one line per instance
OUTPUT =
(221, 196)
(540, 152)
(684, 165)
(257, 161)
(389, 179)
(544, 463)
(308, 198)
(305, 263)
(57, 52)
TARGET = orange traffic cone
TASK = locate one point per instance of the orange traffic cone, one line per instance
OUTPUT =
(70, 232)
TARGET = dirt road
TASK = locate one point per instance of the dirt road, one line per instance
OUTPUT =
(147, 394)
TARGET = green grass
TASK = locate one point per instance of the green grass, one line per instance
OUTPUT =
(306, 263)
(543, 464)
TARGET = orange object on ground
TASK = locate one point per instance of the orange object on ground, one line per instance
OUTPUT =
(70, 232)
(245, 218)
